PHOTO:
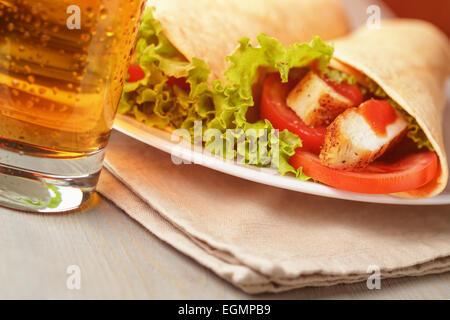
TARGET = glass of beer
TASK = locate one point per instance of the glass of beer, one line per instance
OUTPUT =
(63, 64)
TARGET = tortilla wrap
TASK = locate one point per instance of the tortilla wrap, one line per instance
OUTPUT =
(409, 60)
(406, 58)
(210, 29)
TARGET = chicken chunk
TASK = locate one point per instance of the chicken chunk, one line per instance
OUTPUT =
(352, 142)
(316, 102)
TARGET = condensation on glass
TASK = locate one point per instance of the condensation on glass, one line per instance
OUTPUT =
(62, 68)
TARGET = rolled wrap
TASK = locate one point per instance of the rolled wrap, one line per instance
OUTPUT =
(210, 29)
(409, 60)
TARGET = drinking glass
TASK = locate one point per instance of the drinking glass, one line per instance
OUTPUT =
(63, 64)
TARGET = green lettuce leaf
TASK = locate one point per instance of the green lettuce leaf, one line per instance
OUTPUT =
(338, 76)
(221, 105)
(151, 100)
(273, 55)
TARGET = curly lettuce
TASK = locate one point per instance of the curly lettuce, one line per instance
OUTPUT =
(338, 76)
(152, 100)
(221, 105)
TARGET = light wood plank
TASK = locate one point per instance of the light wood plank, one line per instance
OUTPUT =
(121, 260)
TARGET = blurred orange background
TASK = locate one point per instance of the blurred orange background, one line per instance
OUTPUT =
(435, 11)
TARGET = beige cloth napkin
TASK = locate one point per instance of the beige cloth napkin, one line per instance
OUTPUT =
(265, 239)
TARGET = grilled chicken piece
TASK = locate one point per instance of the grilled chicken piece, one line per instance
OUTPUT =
(352, 141)
(316, 102)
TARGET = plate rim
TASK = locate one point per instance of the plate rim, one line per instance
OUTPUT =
(160, 140)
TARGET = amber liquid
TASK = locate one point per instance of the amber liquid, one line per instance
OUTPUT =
(60, 87)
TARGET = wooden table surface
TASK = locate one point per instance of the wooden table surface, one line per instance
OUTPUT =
(119, 259)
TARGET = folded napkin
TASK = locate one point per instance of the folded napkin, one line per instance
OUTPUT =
(265, 239)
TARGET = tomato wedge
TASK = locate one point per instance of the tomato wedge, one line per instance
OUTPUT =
(410, 172)
(135, 73)
(274, 109)
(179, 82)
(350, 91)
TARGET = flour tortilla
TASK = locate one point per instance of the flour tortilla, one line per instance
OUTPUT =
(210, 29)
(410, 61)
(407, 58)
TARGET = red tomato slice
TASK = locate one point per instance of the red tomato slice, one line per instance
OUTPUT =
(135, 73)
(274, 109)
(350, 91)
(179, 82)
(410, 172)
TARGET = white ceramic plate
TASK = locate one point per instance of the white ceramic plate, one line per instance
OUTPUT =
(162, 140)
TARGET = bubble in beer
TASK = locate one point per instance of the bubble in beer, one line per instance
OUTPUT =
(103, 13)
(85, 37)
(45, 38)
(44, 60)
(29, 104)
(34, 10)
(109, 32)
